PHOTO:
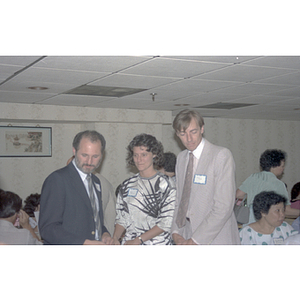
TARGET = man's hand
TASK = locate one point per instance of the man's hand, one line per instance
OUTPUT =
(93, 242)
(179, 240)
(108, 240)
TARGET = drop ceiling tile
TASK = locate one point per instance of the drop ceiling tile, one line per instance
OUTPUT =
(290, 92)
(74, 100)
(212, 97)
(219, 59)
(172, 68)
(288, 79)
(255, 89)
(122, 103)
(90, 63)
(133, 81)
(243, 73)
(7, 71)
(16, 84)
(21, 61)
(42, 76)
(285, 62)
(23, 97)
(260, 99)
(290, 102)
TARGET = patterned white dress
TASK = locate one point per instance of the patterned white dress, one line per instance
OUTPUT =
(143, 203)
(249, 236)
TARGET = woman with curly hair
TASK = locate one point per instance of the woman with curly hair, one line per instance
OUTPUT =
(146, 201)
(269, 228)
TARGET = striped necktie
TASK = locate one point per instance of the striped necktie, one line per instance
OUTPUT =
(93, 203)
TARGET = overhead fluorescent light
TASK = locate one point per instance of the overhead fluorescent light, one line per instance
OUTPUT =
(225, 105)
(108, 91)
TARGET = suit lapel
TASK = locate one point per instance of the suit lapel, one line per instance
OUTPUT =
(79, 187)
(204, 159)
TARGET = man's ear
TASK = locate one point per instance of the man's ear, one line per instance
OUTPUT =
(74, 151)
(202, 129)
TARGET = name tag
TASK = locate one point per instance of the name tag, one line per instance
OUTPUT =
(200, 179)
(132, 192)
(278, 241)
(97, 187)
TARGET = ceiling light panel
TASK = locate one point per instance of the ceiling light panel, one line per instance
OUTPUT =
(108, 91)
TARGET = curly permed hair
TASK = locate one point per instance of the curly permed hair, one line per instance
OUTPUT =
(271, 159)
(263, 201)
(152, 145)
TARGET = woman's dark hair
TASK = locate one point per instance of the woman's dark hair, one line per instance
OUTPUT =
(295, 191)
(31, 203)
(271, 159)
(263, 201)
(169, 162)
(92, 135)
(10, 203)
(151, 144)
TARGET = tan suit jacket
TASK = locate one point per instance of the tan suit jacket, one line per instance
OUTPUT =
(210, 215)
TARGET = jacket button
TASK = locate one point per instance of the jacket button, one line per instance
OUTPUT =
(93, 232)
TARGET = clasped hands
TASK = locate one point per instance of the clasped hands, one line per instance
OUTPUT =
(106, 240)
(179, 240)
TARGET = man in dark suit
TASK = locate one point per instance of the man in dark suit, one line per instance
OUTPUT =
(67, 215)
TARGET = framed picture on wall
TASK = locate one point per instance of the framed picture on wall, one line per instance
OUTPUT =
(19, 141)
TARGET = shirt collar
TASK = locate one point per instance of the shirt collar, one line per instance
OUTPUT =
(197, 152)
(82, 175)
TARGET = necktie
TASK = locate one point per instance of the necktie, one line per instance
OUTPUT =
(93, 203)
(185, 198)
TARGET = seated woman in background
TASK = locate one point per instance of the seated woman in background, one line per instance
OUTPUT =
(32, 208)
(295, 196)
(269, 228)
(146, 201)
(10, 210)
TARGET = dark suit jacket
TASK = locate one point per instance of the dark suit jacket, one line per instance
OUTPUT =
(66, 214)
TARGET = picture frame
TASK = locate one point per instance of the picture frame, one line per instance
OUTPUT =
(22, 141)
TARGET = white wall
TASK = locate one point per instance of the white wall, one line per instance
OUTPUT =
(247, 139)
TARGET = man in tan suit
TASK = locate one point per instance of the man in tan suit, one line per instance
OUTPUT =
(209, 218)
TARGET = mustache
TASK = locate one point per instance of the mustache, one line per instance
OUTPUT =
(88, 165)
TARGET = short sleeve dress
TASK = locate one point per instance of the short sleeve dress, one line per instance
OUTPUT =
(249, 236)
(143, 203)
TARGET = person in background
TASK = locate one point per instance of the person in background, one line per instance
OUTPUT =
(295, 196)
(207, 216)
(269, 228)
(32, 208)
(272, 163)
(71, 206)
(146, 201)
(168, 166)
(295, 203)
(10, 210)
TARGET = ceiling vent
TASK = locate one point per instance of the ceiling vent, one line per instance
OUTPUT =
(108, 91)
(225, 105)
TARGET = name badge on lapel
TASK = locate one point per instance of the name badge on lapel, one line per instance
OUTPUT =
(132, 192)
(200, 179)
(97, 187)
